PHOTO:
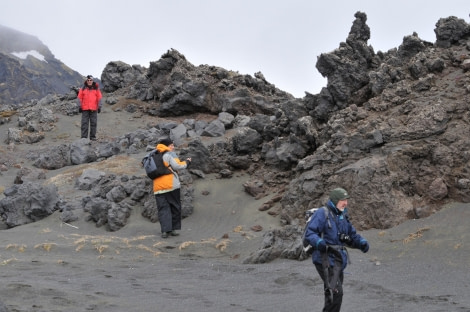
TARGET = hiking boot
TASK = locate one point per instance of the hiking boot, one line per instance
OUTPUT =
(174, 233)
(165, 235)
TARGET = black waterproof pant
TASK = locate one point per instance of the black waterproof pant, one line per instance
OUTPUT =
(335, 305)
(89, 119)
(169, 210)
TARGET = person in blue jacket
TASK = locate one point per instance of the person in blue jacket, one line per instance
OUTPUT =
(330, 232)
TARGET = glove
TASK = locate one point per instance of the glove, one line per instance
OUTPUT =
(321, 245)
(99, 110)
(80, 110)
(364, 246)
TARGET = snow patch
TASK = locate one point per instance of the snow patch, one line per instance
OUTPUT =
(23, 55)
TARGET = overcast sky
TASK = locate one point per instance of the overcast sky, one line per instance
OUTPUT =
(281, 39)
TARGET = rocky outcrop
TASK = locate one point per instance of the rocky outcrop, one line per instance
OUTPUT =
(390, 127)
(347, 67)
(175, 87)
(28, 202)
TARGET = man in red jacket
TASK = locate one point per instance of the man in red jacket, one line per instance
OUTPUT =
(90, 105)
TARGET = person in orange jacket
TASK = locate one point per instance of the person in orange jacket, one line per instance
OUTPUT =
(90, 105)
(166, 189)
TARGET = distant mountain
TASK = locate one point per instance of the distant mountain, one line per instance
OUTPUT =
(28, 69)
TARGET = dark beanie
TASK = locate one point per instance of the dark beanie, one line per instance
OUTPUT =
(338, 194)
(166, 142)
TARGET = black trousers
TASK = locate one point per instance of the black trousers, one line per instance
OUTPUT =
(335, 305)
(169, 210)
(89, 120)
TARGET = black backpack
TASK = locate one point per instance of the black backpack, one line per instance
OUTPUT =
(153, 165)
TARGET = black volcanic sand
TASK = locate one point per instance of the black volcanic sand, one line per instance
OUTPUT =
(421, 265)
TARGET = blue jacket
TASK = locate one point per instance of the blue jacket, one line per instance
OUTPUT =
(339, 225)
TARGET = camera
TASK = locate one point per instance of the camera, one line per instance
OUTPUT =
(345, 238)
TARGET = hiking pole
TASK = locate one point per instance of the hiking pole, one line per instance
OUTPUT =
(326, 265)
(329, 291)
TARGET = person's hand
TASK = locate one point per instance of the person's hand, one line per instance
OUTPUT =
(99, 110)
(188, 161)
(321, 246)
(80, 110)
(364, 246)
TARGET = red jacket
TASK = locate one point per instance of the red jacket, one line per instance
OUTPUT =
(90, 97)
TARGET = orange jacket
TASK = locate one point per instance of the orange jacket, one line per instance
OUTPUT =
(90, 97)
(171, 181)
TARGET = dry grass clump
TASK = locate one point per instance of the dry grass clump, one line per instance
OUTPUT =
(223, 244)
(7, 114)
(101, 248)
(19, 248)
(415, 235)
(46, 246)
(220, 245)
(8, 261)
(155, 253)
(238, 229)
(116, 244)
(186, 245)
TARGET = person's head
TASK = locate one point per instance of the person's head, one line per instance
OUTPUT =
(89, 80)
(339, 197)
(167, 142)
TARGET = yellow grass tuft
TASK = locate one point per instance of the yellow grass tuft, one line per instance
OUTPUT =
(382, 233)
(157, 244)
(155, 253)
(140, 238)
(415, 235)
(7, 113)
(238, 229)
(222, 245)
(20, 248)
(101, 240)
(46, 246)
(62, 136)
(5, 262)
(101, 248)
(46, 230)
(102, 243)
(81, 240)
(145, 248)
(10, 246)
(186, 244)
(79, 247)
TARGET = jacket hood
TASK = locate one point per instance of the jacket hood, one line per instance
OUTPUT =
(161, 148)
(333, 208)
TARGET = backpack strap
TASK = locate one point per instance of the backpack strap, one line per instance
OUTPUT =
(327, 217)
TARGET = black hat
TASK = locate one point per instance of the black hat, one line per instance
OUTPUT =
(89, 77)
(166, 141)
